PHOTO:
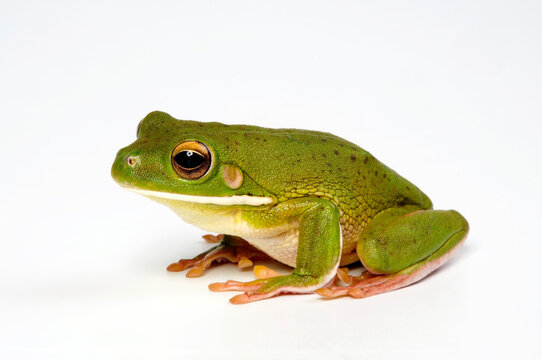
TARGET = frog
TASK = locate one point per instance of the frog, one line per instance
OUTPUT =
(310, 200)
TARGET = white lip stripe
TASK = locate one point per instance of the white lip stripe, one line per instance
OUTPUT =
(216, 200)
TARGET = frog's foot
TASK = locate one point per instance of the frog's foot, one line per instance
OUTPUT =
(268, 284)
(368, 284)
(357, 286)
(232, 249)
(344, 276)
(336, 288)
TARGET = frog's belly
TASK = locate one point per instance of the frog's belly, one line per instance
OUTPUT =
(279, 241)
(283, 247)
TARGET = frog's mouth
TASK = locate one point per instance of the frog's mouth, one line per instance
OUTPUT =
(215, 200)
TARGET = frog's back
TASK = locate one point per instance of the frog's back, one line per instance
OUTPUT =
(294, 163)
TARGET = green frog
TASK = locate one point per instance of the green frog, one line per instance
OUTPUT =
(307, 199)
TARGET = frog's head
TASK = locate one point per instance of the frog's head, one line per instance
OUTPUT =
(189, 161)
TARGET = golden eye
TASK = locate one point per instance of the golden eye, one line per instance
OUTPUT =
(191, 160)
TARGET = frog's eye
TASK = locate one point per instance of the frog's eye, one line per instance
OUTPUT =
(191, 160)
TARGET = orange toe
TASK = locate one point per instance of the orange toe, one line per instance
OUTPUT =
(244, 263)
(175, 267)
(263, 272)
(213, 239)
(195, 272)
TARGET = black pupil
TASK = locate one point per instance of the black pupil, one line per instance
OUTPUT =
(189, 159)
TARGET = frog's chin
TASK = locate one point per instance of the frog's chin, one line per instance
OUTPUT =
(198, 199)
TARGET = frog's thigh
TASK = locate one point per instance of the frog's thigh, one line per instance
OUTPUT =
(401, 237)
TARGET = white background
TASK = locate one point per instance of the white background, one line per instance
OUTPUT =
(446, 93)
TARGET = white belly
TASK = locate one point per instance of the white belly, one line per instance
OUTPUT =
(279, 242)
(283, 247)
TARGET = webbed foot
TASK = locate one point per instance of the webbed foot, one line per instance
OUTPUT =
(360, 286)
(268, 284)
(230, 248)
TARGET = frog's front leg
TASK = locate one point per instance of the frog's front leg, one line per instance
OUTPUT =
(230, 248)
(318, 252)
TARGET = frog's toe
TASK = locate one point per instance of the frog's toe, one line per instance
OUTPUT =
(344, 276)
(232, 285)
(202, 262)
(263, 272)
(213, 239)
(181, 265)
(244, 263)
(250, 290)
(249, 297)
(234, 250)
(357, 286)
(335, 289)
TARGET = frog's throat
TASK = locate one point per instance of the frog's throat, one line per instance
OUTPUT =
(216, 200)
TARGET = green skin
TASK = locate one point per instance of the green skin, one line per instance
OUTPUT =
(321, 183)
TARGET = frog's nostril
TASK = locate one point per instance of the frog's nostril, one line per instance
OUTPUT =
(132, 160)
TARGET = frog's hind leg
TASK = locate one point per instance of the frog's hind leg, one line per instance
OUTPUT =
(230, 248)
(401, 247)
